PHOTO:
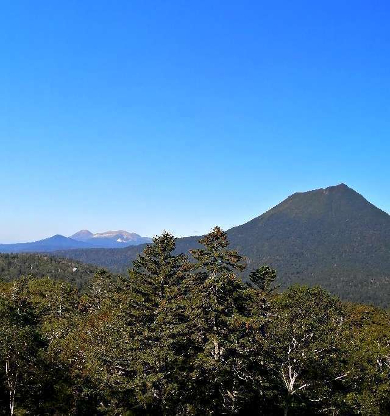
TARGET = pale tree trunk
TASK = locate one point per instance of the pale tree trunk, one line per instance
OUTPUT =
(285, 413)
(11, 381)
(12, 402)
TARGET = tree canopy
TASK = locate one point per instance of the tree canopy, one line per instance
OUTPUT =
(183, 335)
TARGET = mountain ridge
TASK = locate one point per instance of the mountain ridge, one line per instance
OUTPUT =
(54, 243)
(110, 239)
(83, 239)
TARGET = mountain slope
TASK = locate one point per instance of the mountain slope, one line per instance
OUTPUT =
(332, 237)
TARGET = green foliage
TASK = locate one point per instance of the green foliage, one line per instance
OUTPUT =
(263, 278)
(13, 266)
(180, 337)
(215, 257)
(34, 312)
(226, 339)
(305, 346)
(157, 297)
(368, 331)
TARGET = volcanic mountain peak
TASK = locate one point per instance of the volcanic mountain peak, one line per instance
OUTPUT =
(82, 235)
(335, 203)
(341, 189)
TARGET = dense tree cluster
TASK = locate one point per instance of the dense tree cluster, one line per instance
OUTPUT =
(12, 266)
(181, 337)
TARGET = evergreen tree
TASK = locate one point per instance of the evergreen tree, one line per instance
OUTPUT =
(157, 303)
(215, 257)
(263, 278)
(226, 339)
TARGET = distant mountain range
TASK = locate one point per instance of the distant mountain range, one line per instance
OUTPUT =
(332, 237)
(110, 239)
(82, 239)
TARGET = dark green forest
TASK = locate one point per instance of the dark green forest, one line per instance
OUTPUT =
(181, 337)
(13, 266)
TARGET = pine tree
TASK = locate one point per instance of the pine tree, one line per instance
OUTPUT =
(156, 302)
(263, 278)
(215, 257)
(227, 338)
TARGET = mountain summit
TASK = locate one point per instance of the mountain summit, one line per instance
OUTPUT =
(82, 235)
(331, 236)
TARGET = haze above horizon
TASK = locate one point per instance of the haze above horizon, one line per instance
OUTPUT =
(147, 116)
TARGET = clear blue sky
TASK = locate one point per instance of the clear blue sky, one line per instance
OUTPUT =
(178, 115)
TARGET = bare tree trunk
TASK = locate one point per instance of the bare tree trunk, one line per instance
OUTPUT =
(285, 413)
(12, 402)
(11, 386)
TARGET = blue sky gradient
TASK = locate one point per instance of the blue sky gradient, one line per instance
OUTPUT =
(181, 115)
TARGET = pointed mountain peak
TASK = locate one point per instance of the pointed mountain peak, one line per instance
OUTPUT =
(337, 188)
(335, 204)
(57, 237)
(335, 191)
(328, 189)
(82, 235)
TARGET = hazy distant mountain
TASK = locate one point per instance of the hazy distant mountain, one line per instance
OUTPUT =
(57, 242)
(332, 237)
(110, 239)
(82, 235)
(82, 239)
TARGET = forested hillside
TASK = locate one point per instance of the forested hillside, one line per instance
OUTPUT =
(330, 237)
(13, 266)
(175, 337)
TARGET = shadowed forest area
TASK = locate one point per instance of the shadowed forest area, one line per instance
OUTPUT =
(176, 337)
